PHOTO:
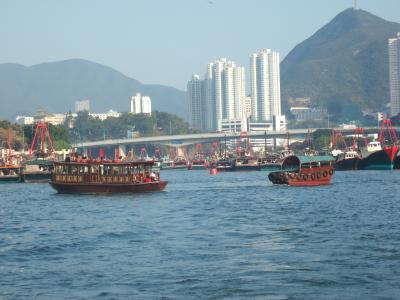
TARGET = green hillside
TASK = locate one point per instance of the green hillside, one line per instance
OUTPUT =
(56, 86)
(343, 66)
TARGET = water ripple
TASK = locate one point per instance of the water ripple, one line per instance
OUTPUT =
(230, 236)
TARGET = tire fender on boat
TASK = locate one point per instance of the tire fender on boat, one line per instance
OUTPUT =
(325, 173)
(330, 172)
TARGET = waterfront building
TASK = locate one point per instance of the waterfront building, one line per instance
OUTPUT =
(233, 125)
(140, 104)
(394, 74)
(83, 105)
(196, 102)
(302, 114)
(265, 85)
(279, 123)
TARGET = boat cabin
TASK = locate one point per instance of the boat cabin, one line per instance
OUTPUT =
(374, 146)
(106, 172)
(297, 163)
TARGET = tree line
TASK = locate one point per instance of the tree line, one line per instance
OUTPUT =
(87, 128)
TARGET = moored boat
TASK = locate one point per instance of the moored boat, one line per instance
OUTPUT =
(37, 170)
(382, 159)
(304, 171)
(11, 173)
(199, 161)
(223, 164)
(180, 162)
(347, 160)
(246, 163)
(99, 176)
(197, 164)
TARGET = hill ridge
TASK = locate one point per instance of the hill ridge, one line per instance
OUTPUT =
(343, 64)
(56, 86)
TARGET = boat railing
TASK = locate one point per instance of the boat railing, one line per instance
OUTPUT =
(95, 178)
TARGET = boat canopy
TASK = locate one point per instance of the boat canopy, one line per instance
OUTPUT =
(107, 163)
(294, 162)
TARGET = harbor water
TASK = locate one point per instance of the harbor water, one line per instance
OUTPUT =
(227, 236)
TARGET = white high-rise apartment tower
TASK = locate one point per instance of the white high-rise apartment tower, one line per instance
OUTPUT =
(394, 75)
(224, 91)
(265, 85)
(196, 103)
(140, 104)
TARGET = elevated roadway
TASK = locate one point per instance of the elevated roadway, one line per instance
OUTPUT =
(190, 139)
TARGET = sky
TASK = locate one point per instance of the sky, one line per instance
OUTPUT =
(164, 41)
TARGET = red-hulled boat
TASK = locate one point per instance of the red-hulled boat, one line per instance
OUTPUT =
(101, 176)
(304, 171)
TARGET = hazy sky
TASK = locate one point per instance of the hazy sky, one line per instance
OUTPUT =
(160, 41)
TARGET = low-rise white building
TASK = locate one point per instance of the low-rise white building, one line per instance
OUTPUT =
(23, 120)
(104, 116)
(55, 119)
(308, 114)
(83, 105)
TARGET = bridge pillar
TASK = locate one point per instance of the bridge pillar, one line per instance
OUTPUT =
(122, 150)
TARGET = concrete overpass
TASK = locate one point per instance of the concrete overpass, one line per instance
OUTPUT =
(190, 139)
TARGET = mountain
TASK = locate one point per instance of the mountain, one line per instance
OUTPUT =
(343, 66)
(56, 86)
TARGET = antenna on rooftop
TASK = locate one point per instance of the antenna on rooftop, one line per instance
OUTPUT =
(355, 4)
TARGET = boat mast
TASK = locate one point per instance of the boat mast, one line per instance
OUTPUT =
(9, 147)
(265, 143)
(225, 147)
(42, 128)
(359, 131)
(387, 124)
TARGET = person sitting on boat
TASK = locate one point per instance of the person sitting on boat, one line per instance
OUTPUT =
(153, 176)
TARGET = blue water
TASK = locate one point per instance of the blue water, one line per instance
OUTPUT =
(230, 236)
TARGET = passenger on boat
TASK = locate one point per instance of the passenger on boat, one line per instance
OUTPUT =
(153, 176)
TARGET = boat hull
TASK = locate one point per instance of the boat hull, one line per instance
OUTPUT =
(347, 164)
(305, 177)
(37, 177)
(243, 168)
(270, 167)
(10, 179)
(95, 188)
(380, 160)
(197, 167)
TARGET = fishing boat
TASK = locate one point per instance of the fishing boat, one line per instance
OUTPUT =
(11, 173)
(37, 170)
(245, 162)
(180, 162)
(270, 162)
(39, 164)
(102, 176)
(304, 171)
(11, 169)
(347, 160)
(199, 161)
(381, 154)
(223, 164)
